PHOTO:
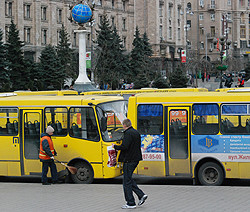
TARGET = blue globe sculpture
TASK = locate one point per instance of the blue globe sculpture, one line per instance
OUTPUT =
(81, 13)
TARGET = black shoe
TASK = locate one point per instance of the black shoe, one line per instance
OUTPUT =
(46, 183)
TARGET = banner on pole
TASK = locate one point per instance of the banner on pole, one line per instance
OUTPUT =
(183, 56)
(88, 59)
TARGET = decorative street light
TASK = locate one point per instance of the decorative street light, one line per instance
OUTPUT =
(223, 52)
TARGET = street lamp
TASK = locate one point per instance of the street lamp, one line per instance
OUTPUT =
(223, 51)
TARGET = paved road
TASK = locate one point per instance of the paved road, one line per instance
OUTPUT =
(164, 195)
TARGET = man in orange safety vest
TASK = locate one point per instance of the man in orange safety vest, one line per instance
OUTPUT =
(46, 155)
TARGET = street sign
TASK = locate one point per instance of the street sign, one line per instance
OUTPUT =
(183, 56)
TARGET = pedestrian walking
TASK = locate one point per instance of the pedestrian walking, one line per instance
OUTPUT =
(46, 155)
(130, 156)
(229, 80)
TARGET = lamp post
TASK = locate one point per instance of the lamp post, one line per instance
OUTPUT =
(223, 51)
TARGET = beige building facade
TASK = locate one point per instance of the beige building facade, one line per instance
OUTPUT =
(211, 19)
(39, 21)
(171, 25)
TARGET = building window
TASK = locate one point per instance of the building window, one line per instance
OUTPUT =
(229, 2)
(212, 31)
(99, 3)
(202, 45)
(7, 29)
(201, 16)
(124, 40)
(160, 31)
(212, 3)
(124, 24)
(58, 36)
(242, 31)
(74, 39)
(113, 4)
(241, 3)
(201, 3)
(170, 32)
(179, 33)
(189, 23)
(59, 17)
(26, 11)
(27, 31)
(243, 44)
(212, 17)
(189, 6)
(44, 36)
(43, 13)
(170, 12)
(113, 21)
(160, 9)
(8, 9)
(124, 5)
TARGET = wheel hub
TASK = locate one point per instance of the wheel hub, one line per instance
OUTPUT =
(82, 174)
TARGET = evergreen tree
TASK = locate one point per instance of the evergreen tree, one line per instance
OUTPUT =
(159, 82)
(65, 54)
(111, 62)
(178, 79)
(50, 72)
(104, 52)
(4, 77)
(137, 62)
(147, 48)
(141, 81)
(15, 59)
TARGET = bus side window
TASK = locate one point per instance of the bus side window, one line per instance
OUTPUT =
(150, 119)
(83, 123)
(57, 117)
(235, 119)
(9, 121)
(205, 119)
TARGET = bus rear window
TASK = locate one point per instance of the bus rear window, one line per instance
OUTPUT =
(205, 119)
(150, 119)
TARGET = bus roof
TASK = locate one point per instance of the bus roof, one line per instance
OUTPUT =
(55, 100)
(190, 97)
(144, 90)
(232, 89)
(45, 93)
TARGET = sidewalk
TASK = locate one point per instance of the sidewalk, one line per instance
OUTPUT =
(30, 197)
(211, 85)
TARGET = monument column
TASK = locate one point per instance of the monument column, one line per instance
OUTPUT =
(82, 77)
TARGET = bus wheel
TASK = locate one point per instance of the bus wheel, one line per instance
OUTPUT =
(84, 174)
(210, 174)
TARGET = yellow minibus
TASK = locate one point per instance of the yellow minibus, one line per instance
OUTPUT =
(85, 127)
(201, 135)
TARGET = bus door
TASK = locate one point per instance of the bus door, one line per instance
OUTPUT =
(177, 141)
(31, 132)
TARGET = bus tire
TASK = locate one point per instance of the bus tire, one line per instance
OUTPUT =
(210, 174)
(84, 174)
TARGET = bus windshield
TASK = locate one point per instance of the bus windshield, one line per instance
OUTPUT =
(114, 112)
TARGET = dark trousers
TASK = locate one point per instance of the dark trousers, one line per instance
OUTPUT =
(53, 171)
(129, 185)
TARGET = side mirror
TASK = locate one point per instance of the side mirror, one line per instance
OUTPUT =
(103, 124)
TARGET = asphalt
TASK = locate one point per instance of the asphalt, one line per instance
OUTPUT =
(107, 195)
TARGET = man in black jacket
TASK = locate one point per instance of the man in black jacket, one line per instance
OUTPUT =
(130, 156)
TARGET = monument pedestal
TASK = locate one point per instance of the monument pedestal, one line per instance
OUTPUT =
(84, 87)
